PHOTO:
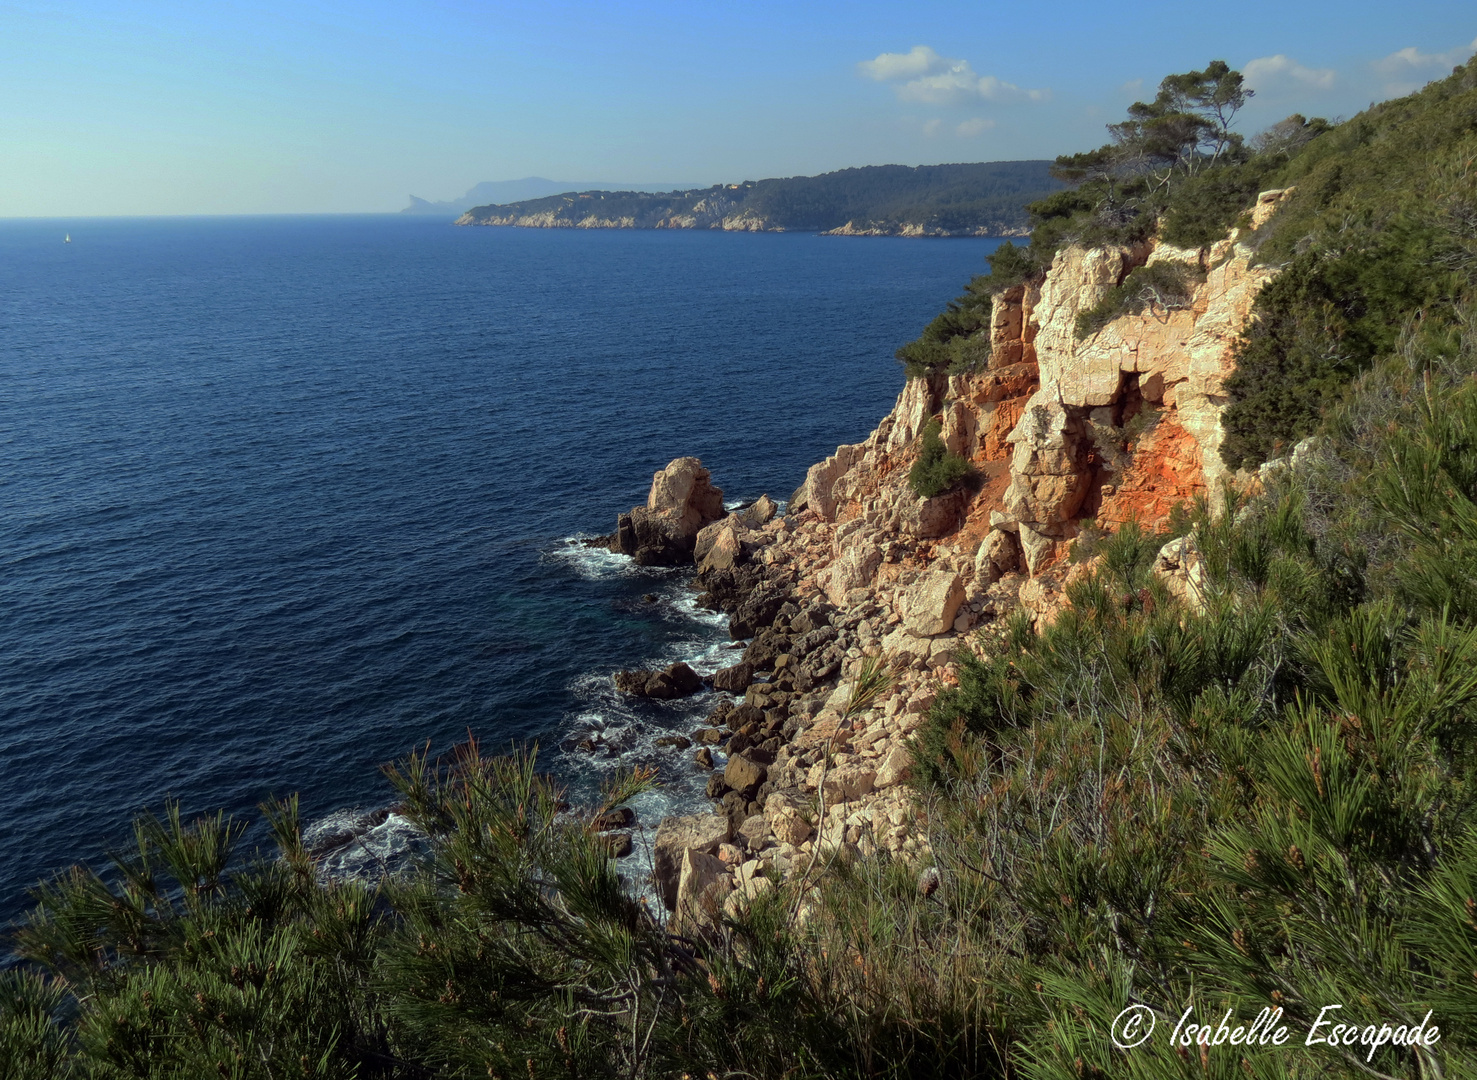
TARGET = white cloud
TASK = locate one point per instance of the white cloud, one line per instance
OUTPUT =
(1407, 70)
(890, 66)
(972, 127)
(1268, 73)
(922, 75)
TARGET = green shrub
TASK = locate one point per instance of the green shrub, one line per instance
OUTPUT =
(936, 470)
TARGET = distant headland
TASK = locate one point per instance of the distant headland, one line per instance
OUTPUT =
(984, 199)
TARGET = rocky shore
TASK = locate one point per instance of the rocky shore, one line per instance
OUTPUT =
(857, 602)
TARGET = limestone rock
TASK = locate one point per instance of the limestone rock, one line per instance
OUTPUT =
(758, 513)
(846, 783)
(903, 647)
(928, 519)
(895, 768)
(675, 837)
(664, 531)
(726, 551)
(786, 815)
(679, 680)
(1180, 566)
(933, 603)
(747, 892)
(743, 774)
(996, 557)
(1038, 550)
(702, 886)
(853, 570)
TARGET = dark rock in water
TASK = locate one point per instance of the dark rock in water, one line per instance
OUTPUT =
(650, 597)
(621, 817)
(619, 844)
(709, 736)
(632, 682)
(679, 680)
(716, 787)
(703, 758)
(678, 741)
(734, 679)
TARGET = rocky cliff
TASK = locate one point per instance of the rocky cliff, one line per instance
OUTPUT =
(862, 582)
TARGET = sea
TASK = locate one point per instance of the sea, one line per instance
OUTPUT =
(285, 498)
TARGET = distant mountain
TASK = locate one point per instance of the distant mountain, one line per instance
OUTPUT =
(985, 199)
(512, 191)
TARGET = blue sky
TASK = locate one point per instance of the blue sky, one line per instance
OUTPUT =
(158, 107)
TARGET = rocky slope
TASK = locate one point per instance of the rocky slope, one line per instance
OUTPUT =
(863, 582)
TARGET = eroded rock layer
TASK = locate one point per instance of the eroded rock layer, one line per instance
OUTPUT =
(861, 575)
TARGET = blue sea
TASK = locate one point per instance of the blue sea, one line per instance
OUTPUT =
(284, 498)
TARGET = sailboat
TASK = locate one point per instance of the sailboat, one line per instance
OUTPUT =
(68, 239)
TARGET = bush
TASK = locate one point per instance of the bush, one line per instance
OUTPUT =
(936, 470)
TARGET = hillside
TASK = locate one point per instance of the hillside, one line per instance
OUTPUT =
(931, 200)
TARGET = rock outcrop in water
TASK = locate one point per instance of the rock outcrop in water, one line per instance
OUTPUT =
(862, 575)
(664, 531)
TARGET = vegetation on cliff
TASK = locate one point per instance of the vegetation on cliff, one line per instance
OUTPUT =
(986, 199)
(936, 470)
(1380, 230)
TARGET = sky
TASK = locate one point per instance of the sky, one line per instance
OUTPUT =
(259, 106)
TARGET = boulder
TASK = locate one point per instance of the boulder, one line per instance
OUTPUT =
(933, 603)
(758, 513)
(1179, 566)
(707, 536)
(703, 758)
(726, 552)
(904, 648)
(619, 844)
(754, 832)
(853, 569)
(750, 890)
(997, 556)
(786, 814)
(703, 884)
(675, 837)
(621, 817)
(896, 767)
(679, 680)
(757, 611)
(928, 519)
(1039, 550)
(684, 491)
(734, 679)
(845, 783)
(743, 774)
